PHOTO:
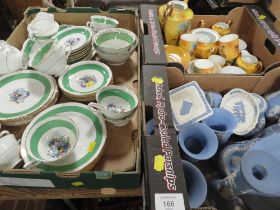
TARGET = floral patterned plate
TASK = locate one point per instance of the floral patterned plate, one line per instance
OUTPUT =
(90, 144)
(78, 37)
(24, 93)
(84, 78)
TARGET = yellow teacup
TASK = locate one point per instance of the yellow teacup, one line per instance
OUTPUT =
(203, 66)
(229, 47)
(249, 63)
(188, 42)
(204, 50)
(222, 28)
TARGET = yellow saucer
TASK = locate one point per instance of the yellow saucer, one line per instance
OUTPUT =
(175, 54)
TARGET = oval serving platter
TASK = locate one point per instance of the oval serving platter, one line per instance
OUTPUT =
(89, 146)
(85, 77)
(23, 94)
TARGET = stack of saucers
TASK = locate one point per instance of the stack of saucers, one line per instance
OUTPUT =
(79, 38)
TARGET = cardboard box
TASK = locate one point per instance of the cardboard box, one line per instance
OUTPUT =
(263, 41)
(260, 34)
(163, 177)
(234, 3)
(119, 166)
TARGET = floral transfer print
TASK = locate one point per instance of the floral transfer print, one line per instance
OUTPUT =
(115, 108)
(19, 95)
(87, 81)
(58, 146)
(73, 41)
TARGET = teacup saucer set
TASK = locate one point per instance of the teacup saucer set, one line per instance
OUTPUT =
(208, 125)
(65, 137)
(204, 50)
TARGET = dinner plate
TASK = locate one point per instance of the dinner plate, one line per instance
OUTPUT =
(85, 77)
(24, 93)
(244, 108)
(189, 104)
(76, 36)
(90, 144)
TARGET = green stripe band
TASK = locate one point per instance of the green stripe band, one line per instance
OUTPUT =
(35, 138)
(118, 93)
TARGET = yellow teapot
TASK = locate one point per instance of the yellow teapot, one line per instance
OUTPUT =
(175, 18)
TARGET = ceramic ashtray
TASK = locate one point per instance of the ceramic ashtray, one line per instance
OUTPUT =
(83, 79)
(244, 108)
(189, 104)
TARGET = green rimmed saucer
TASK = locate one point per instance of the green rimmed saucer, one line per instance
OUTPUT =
(89, 146)
(23, 94)
(83, 79)
(78, 37)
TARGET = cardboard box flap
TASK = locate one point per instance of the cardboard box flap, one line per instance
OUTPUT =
(152, 40)
(274, 8)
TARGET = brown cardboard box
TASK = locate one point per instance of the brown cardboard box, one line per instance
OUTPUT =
(119, 166)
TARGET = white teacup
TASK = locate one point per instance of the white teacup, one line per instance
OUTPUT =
(9, 151)
(11, 58)
(44, 15)
(116, 103)
(218, 59)
(43, 26)
(51, 58)
(98, 23)
(50, 140)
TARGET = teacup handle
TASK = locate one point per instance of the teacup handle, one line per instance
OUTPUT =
(221, 50)
(94, 107)
(31, 164)
(69, 51)
(229, 22)
(167, 12)
(4, 133)
(202, 24)
(260, 67)
(65, 70)
(88, 24)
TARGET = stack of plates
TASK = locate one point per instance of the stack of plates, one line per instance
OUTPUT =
(90, 144)
(24, 94)
(79, 38)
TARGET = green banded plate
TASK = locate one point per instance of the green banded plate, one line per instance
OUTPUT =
(92, 137)
(85, 77)
(23, 93)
